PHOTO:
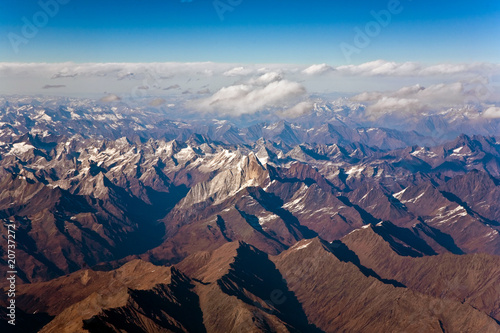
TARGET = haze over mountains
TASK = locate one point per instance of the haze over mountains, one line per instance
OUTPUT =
(132, 219)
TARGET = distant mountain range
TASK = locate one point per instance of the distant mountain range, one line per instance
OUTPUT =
(339, 122)
(131, 222)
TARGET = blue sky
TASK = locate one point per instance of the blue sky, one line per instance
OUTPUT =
(251, 31)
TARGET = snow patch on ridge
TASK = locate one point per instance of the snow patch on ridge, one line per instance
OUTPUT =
(399, 195)
(20, 148)
(303, 246)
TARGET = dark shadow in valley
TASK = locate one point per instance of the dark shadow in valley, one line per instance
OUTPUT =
(438, 236)
(221, 224)
(409, 244)
(150, 231)
(252, 272)
(452, 197)
(367, 217)
(253, 221)
(273, 203)
(343, 253)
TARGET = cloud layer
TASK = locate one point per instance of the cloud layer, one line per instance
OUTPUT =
(235, 89)
(168, 70)
(390, 68)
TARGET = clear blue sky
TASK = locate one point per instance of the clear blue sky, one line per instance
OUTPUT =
(254, 31)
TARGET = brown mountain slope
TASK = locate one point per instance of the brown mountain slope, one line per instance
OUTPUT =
(357, 303)
(230, 298)
(472, 279)
(80, 295)
(240, 288)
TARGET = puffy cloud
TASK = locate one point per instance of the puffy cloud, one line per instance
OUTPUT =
(492, 112)
(265, 92)
(380, 67)
(413, 99)
(298, 110)
(266, 78)
(238, 71)
(317, 69)
(388, 105)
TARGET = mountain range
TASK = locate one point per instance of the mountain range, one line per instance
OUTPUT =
(130, 222)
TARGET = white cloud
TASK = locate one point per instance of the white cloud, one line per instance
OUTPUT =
(265, 79)
(170, 70)
(298, 110)
(380, 67)
(238, 71)
(267, 91)
(451, 69)
(474, 82)
(388, 105)
(390, 68)
(317, 69)
(206, 72)
(492, 112)
(413, 99)
(138, 71)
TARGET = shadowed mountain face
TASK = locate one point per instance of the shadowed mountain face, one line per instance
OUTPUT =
(262, 232)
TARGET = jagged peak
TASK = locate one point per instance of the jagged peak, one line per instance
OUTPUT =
(248, 172)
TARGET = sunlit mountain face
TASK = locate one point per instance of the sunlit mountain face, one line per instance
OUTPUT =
(234, 166)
